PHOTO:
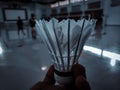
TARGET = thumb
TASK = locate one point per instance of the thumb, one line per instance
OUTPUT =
(81, 83)
(78, 70)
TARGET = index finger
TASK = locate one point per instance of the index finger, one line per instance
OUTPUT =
(49, 78)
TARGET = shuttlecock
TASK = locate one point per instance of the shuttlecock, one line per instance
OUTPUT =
(65, 41)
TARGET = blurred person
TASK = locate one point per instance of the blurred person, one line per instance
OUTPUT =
(32, 25)
(20, 25)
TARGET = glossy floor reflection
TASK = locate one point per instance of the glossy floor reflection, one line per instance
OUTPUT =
(23, 66)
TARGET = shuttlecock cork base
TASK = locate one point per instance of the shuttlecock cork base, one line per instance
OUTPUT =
(63, 78)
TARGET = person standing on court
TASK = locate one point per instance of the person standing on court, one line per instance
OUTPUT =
(20, 26)
(32, 25)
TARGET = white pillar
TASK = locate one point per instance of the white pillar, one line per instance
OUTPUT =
(83, 8)
(106, 9)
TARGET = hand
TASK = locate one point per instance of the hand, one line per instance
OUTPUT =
(79, 83)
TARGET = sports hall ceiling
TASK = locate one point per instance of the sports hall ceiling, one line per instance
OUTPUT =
(33, 1)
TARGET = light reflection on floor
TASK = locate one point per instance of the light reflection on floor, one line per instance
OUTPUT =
(43, 68)
(93, 50)
(113, 56)
(113, 62)
(1, 50)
